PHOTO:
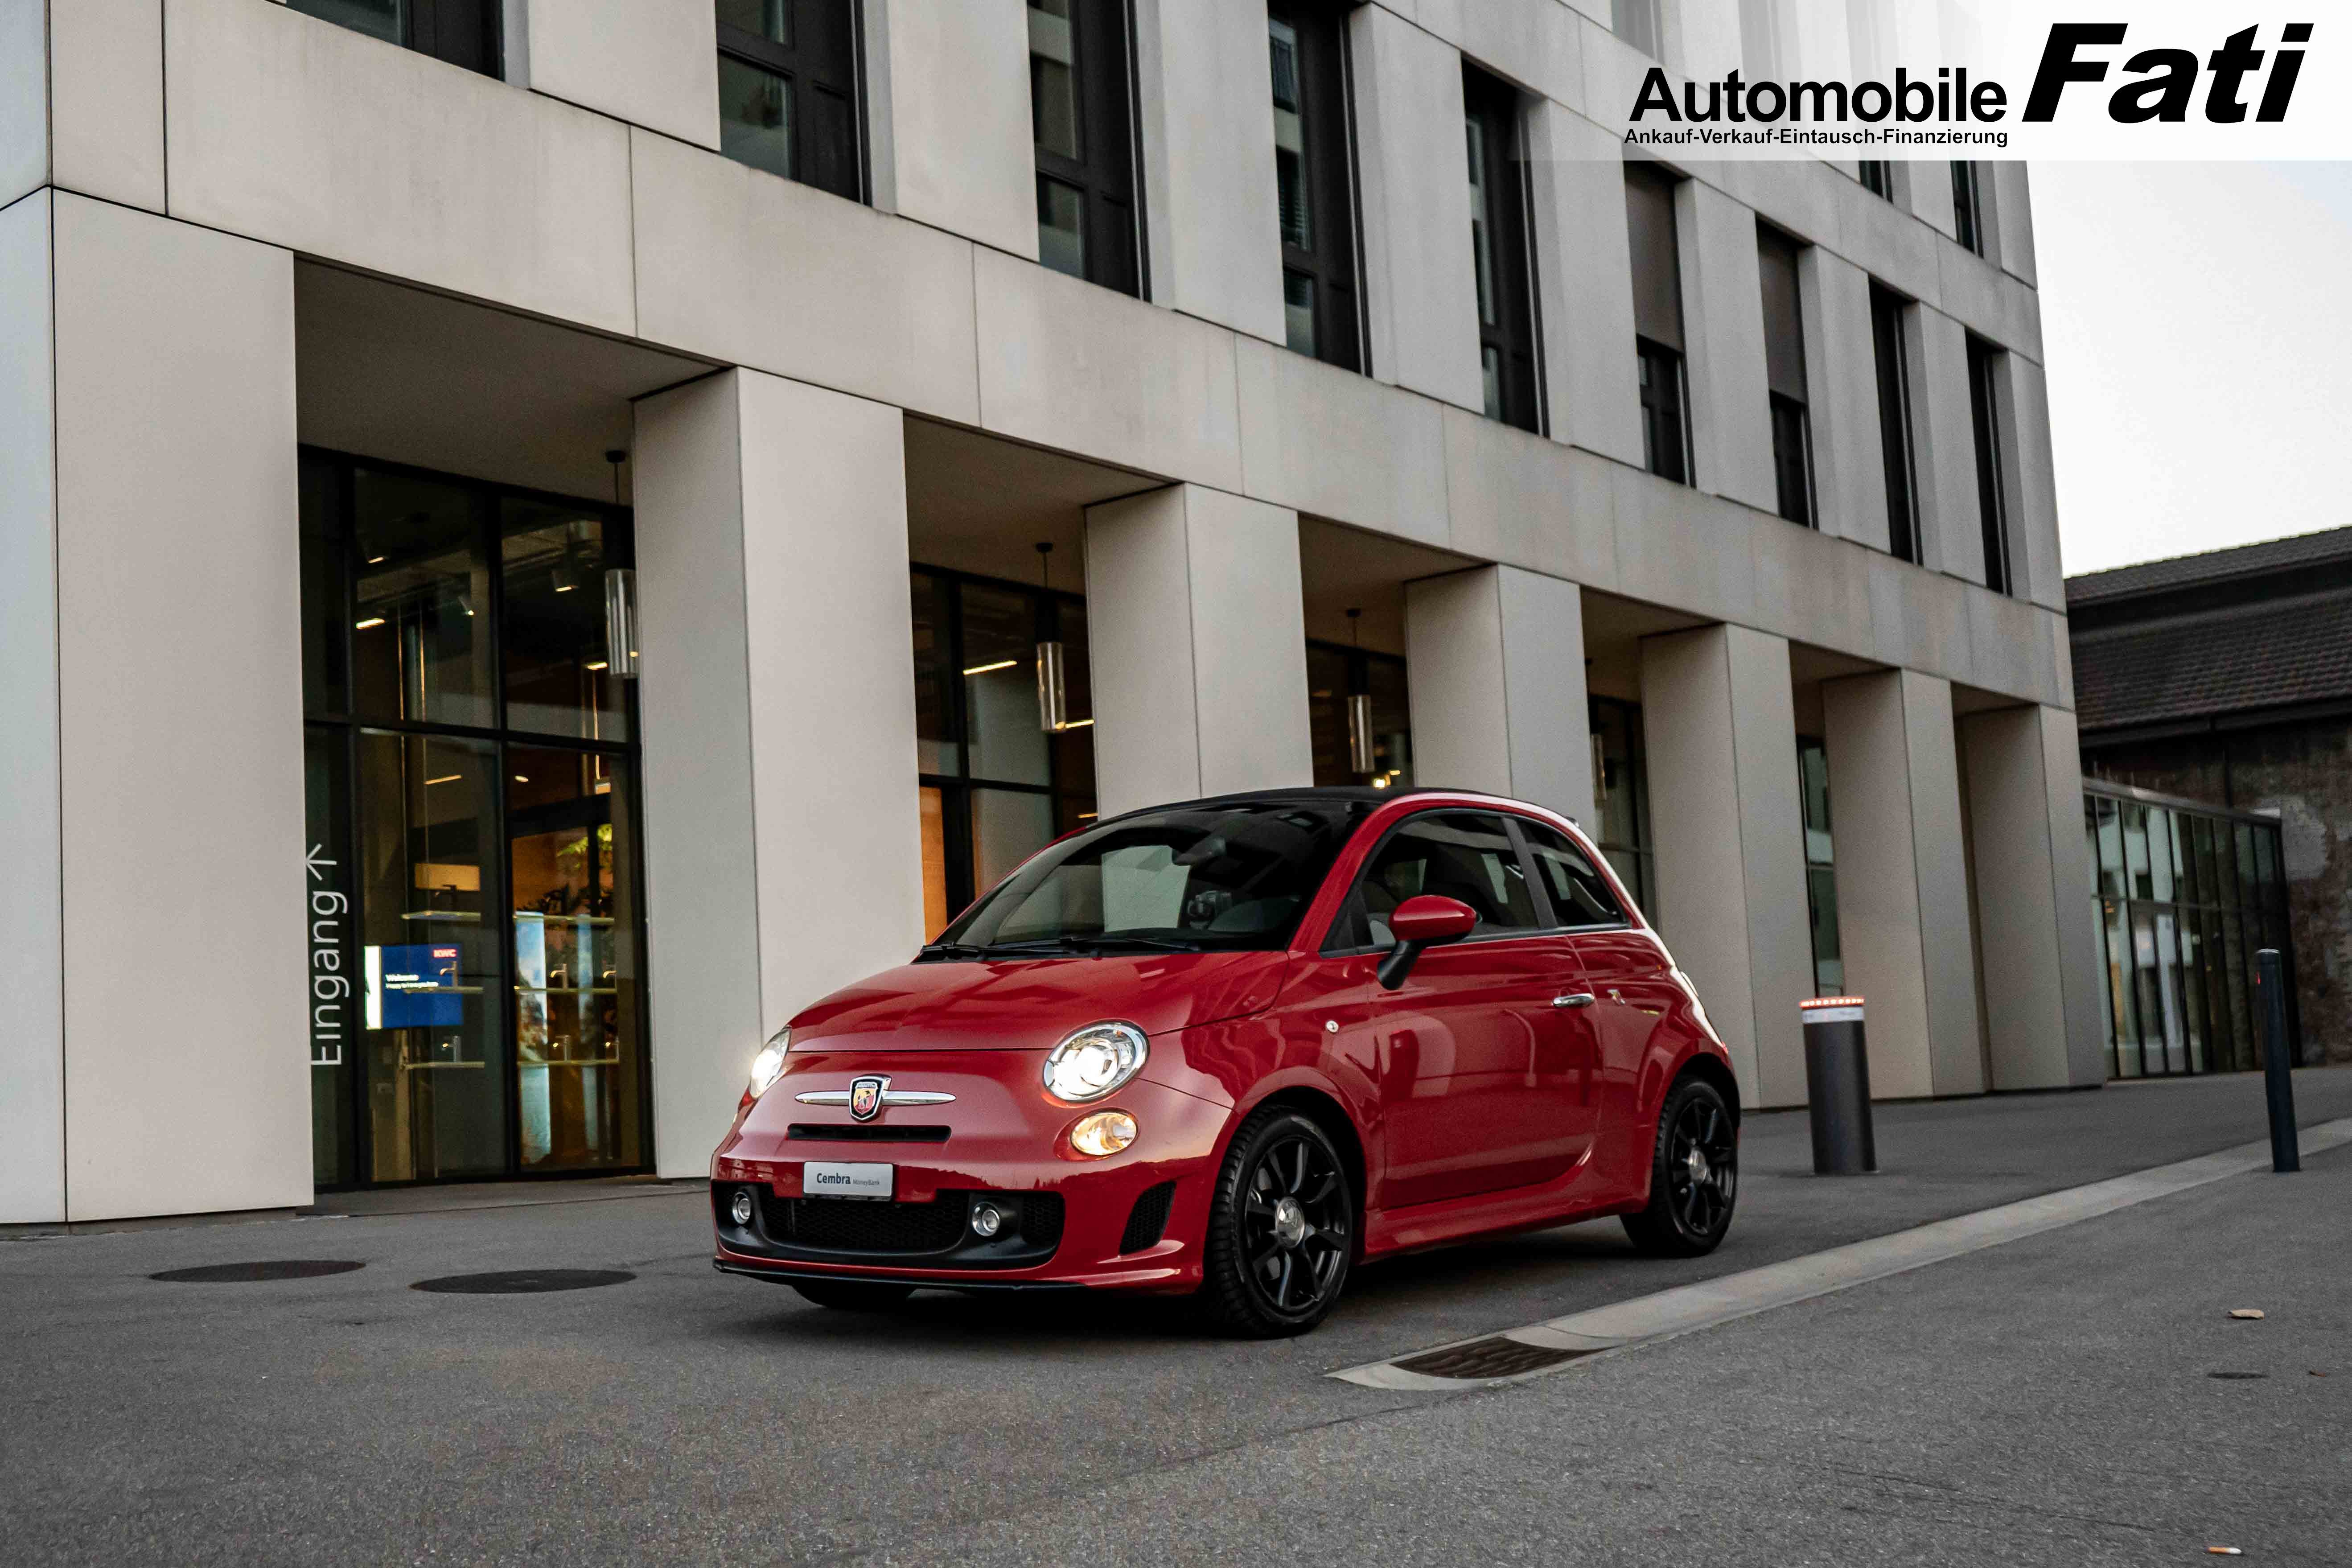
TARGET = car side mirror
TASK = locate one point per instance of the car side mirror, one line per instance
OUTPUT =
(1425, 920)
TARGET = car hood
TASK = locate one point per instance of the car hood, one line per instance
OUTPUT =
(1030, 1003)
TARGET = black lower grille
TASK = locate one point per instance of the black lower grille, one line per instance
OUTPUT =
(1041, 1219)
(1149, 1219)
(854, 1224)
(934, 1235)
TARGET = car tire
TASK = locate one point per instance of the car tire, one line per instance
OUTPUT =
(853, 1296)
(1690, 1199)
(1282, 1226)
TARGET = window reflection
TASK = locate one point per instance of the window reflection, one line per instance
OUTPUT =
(558, 666)
(569, 825)
(420, 637)
(433, 969)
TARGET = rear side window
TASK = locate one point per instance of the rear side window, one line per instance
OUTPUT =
(1461, 855)
(1579, 895)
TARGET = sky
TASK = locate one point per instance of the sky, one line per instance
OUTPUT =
(2196, 327)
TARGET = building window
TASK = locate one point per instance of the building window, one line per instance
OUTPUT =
(1313, 164)
(1784, 375)
(471, 765)
(1499, 250)
(788, 90)
(462, 32)
(997, 786)
(1658, 323)
(1337, 723)
(1080, 108)
(1878, 178)
(1891, 347)
(1968, 215)
(1637, 22)
(1992, 490)
(2181, 901)
(1621, 797)
(1821, 866)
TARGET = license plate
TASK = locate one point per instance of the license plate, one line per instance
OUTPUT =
(826, 1179)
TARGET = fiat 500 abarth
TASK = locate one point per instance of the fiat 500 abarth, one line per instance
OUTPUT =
(1236, 1047)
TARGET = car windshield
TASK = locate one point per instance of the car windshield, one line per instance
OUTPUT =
(1195, 879)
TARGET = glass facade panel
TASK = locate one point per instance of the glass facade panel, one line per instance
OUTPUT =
(1003, 738)
(558, 679)
(755, 116)
(1620, 790)
(1335, 674)
(1821, 866)
(478, 875)
(1007, 827)
(433, 963)
(571, 823)
(421, 633)
(2183, 898)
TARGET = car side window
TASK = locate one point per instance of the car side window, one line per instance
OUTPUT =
(1579, 895)
(1463, 855)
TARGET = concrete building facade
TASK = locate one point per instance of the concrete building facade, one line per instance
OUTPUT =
(343, 336)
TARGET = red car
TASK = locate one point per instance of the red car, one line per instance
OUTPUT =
(1236, 1047)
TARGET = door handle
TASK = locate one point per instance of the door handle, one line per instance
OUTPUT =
(1574, 999)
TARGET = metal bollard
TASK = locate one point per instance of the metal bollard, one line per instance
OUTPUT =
(1837, 1086)
(2278, 1085)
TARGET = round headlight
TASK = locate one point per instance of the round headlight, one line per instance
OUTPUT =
(1094, 1061)
(769, 1064)
(1104, 1132)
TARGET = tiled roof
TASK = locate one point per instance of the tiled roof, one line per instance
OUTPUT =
(2264, 655)
(2333, 544)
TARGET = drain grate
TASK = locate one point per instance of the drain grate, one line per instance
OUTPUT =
(252, 1273)
(1495, 1357)
(524, 1281)
(2238, 1376)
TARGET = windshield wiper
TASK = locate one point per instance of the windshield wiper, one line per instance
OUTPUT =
(1105, 942)
(951, 950)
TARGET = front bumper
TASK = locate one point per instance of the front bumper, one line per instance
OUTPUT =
(1068, 1220)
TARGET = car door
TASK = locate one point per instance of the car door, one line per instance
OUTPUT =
(1467, 1045)
(1624, 970)
(1574, 1095)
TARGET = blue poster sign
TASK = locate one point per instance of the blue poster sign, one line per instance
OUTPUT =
(413, 986)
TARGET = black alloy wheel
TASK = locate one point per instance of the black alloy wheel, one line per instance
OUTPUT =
(1281, 1229)
(852, 1295)
(1694, 1174)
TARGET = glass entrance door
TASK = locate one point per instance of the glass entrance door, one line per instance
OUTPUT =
(474, 816)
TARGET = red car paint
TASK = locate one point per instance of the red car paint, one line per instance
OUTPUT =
(1475, 1107)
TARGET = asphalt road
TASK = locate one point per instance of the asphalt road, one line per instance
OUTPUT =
(2046, 1402)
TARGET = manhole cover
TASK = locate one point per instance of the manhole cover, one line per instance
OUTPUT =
(2238, 1376)
(524, 1281)
(1495, 1357)
(249, 1273)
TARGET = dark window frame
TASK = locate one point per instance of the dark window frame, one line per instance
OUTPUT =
(1330, 263)
(1968, 215)
(1666, 396)
(786, 61)
(1891, 352)
(1106, 173)
(1877, 177)
(1510, 323)
(1992, 468)
(345, 725)
(1662, 367)
(1789, 393)
(467, 33)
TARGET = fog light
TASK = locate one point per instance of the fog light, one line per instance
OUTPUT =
(987, 1220)
(1104, 1132)
(741, 1207)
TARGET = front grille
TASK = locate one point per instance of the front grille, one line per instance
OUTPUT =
(1041, 1219)
(860, 1225)
(1149, 1219)
(853, 1133)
